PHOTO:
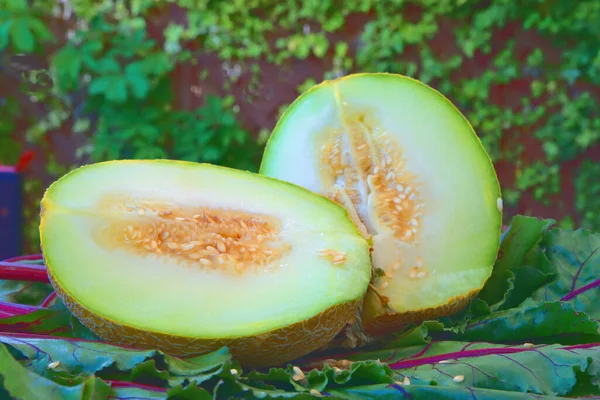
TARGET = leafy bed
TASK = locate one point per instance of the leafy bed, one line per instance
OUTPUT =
(533, 332)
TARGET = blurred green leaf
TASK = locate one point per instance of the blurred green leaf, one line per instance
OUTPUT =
(22, 38)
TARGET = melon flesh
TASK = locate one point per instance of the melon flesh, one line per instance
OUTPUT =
(264, 254)
(414, 177)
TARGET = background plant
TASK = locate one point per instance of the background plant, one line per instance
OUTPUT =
(206, 81)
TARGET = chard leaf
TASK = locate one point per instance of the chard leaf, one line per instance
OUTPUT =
(44, 321)
(519, 241)
(80, 331)
(397, 391)
(201, 368)
(536, 322)
(191, 392)
(137, 393)
(325, 377)
(19, 383)
(90, 357)
(542, 291)
(532, 310)
(76, 356)
(22, 292)
(552, 370)
(415, 336)
(575, 259)
(77, 329)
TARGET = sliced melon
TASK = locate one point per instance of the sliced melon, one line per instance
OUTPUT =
(412, 174)
(189, 257)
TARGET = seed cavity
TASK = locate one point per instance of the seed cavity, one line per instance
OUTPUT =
(368, 165)
(368, 173)
(205, 238)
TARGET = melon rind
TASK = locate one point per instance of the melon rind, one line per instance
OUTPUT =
(265, 350)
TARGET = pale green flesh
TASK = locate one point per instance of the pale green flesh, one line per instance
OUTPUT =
(159, 295)
(460, 230)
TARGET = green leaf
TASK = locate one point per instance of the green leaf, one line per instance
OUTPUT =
(22, 38)
(116, 90)
(15, 5)
(108, 66)
(139, 86)
(92, 46)
(40, 30)
(80, 331)
(200, 368)
(20, 383)
(575, 259)
(211, 153)
(45, 321)
(135, 393)
(416, 336)
(30, 293)
(67, 62)
(90, 357)
(99, 85)
(534, 322)
(189, 392)
(551, 370)
(4, 34)
(521, 238)
(77, 356)
(359, 373)
(397, 391)
(537, 88)
(320, 45)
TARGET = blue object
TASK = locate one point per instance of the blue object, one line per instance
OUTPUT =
(11, 213)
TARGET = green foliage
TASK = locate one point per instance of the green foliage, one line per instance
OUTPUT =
(9, 147)
(492, 371)
(129, 99)
(113, 75)
(19, 382)
(21, 27)
(549, 276)
(587, 189)
(560, 115)
(542, 342)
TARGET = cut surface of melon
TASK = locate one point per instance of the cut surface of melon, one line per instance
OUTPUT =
(412, 174)
(198, 251)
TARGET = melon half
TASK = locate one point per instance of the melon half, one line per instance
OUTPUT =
(413, 176)
(187, 258)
